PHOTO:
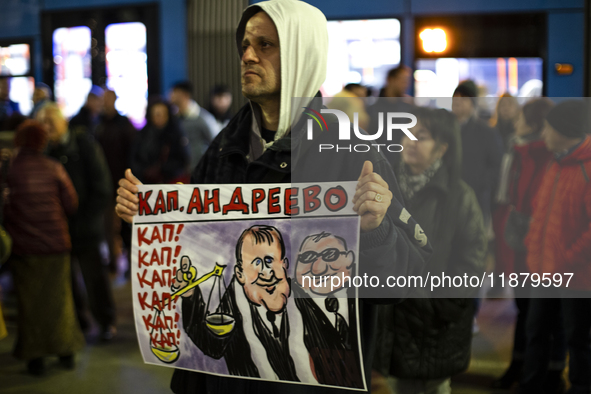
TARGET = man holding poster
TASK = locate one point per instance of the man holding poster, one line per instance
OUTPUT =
(283, 46)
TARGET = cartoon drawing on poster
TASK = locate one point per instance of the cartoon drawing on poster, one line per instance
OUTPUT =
(249, 281)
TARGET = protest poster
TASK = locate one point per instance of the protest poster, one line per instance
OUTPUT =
(240, 280)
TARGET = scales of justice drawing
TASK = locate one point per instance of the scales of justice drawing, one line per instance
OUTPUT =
(218, 323)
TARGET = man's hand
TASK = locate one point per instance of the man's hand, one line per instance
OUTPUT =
(127, 200)
(184, 276)
(372, 198)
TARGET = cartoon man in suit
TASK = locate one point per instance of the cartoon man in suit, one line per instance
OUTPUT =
(329, 317)
(256, 298)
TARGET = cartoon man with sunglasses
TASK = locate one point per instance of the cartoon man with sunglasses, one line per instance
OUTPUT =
(330, 327)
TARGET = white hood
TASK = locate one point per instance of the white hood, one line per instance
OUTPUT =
(303, 42)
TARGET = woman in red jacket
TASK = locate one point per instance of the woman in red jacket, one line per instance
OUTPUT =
(41, 195)
(530, 157)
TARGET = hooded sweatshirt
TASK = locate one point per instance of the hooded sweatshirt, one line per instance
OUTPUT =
(237, 155)
(303, 40)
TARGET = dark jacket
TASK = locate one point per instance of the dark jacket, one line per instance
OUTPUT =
(85, 163)
(116, 136)
(225, 162)
(234, 347)
(333, 353)
(429, 338)
(84, 119)
(160, 156)
(482, 151)
(41, 195)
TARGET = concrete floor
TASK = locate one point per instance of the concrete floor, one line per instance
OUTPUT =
(117, 366)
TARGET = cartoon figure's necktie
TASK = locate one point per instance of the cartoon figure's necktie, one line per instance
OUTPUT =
(332, 305)
(271, 317)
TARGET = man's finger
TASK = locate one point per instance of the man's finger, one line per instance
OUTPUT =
(371, 186)
(125, 203)
(131, 178)
(185, 264)
(367, 169)
(128, 186)
(125, 194)
(371, 207)
(373, 177)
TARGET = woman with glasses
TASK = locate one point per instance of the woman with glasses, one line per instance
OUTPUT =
(426, 339)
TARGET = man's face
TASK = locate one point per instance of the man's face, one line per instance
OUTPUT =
(159, 115)
(55, 125)
(39, 94)
(95, 103)
(261, 61)
(325, 258)
(359, 91)
(461, 107)
(177, 97)
(221, 102)
(400, 83)
(110, 98)
(263, 274)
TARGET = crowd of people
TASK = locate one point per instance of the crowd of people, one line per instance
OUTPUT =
(67, 172)
(515, 185)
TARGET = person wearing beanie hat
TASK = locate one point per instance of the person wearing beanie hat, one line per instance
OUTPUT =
(559, 241)
(36, 219)
(482, 147)
(566, 126)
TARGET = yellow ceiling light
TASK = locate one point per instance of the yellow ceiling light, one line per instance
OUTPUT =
(434, 40)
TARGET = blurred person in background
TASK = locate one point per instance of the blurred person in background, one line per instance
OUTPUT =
(392, 98)
(41, 195)
(41, 95)
(397, 82)
(197, 123)
(503, 120)
(427, 340)
(8, 108)
(350, 101)
(89, 114)
(481, 148)
(116, 135)
(161, 151)
(506, 114)
(220, 101)
(523, 169)
(85, 163)
(559, 241)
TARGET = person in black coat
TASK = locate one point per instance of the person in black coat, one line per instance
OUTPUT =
(426, 339)
(88, 116)
(482, 148)
(84, 161)
(161, 151)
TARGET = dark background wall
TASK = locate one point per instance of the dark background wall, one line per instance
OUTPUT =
(564, 39)
(21, 19)
(193, 45)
